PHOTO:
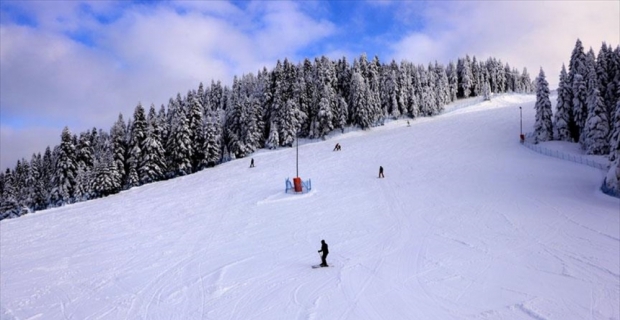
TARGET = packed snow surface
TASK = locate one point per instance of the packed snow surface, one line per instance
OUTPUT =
(466, 224)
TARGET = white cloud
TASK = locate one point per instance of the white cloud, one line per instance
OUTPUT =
(420, 48)
(289, 28)
(17, 144)
(47, 75)
(524, 34)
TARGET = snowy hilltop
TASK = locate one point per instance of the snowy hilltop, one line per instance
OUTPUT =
(218, 123)
(467, 224)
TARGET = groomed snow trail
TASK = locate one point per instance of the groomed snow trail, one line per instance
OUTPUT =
(467, 224)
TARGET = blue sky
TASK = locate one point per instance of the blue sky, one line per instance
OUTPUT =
(81, 63)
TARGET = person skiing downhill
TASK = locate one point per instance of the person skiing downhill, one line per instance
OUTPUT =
(381, 172)
(325, 252)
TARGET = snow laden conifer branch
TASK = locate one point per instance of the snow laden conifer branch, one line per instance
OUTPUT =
(543, 128)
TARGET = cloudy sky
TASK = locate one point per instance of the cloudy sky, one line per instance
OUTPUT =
(81, 63)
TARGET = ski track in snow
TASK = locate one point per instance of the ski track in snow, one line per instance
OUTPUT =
(466, 224)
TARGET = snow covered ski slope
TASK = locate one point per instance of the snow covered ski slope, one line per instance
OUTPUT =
(466, 224)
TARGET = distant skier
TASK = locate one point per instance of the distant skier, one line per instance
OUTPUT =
(337, 147)
(408, 124)
(381, 172)
(252, 163)
(325, 252)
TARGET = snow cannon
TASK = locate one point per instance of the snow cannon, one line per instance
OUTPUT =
(297, 186)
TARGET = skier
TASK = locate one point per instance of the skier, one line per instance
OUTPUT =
(252, 163)
(381, 172)
(325, 252)
(337, 147)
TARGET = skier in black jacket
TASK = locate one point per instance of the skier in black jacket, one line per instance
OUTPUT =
(325, 252)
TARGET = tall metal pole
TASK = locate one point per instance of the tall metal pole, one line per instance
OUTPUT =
(521, 121)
